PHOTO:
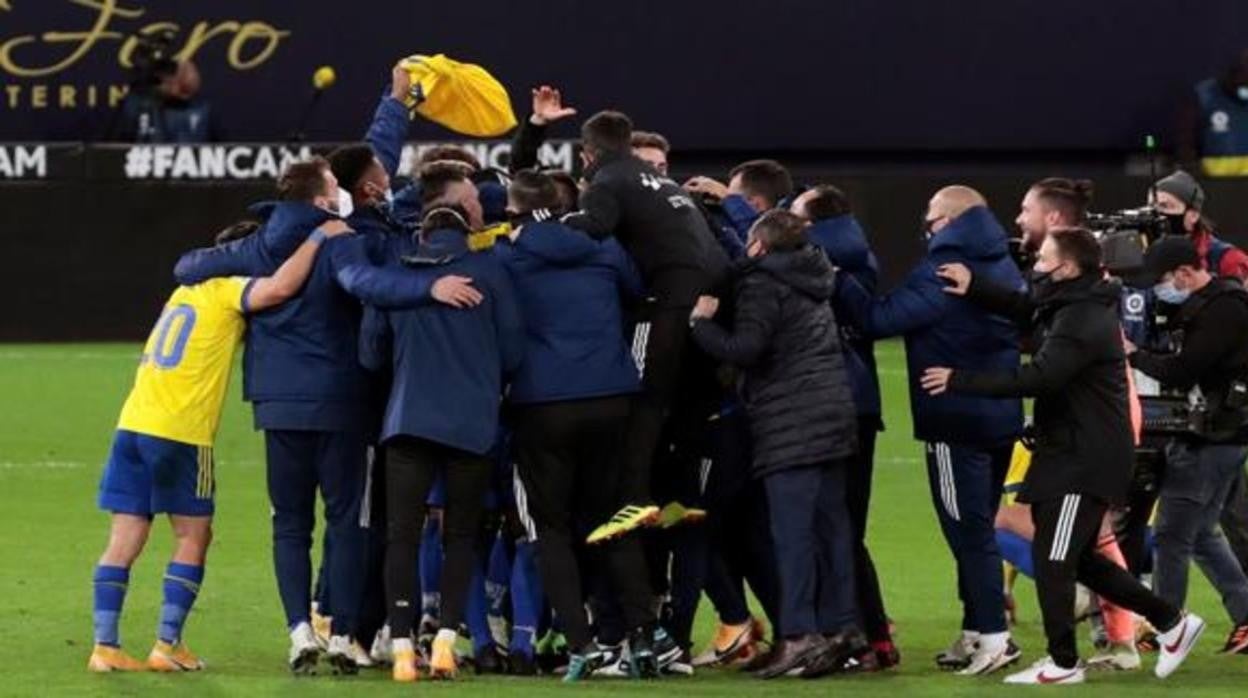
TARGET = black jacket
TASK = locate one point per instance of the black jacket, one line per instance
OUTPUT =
(1214, 324)
(1078, 375)
(794, 382)
(657, 223)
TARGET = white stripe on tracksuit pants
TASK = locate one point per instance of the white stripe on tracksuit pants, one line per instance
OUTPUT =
(966, 483)
(1064, 551)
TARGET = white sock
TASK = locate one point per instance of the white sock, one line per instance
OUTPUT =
(403, 644)
(970, 635)
(993, 642)
(446, 635)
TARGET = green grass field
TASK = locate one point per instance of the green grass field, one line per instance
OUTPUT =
(59, 404)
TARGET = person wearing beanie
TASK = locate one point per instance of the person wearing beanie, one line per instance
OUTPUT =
(1181, 199)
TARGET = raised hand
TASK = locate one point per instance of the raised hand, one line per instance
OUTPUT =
(548, 106)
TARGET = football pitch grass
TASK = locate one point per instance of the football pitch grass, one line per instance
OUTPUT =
(58, 407)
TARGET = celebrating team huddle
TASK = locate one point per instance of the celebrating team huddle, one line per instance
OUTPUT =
(524, 386)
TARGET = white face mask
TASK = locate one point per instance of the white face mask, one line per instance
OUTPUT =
(345, 206)
(1242, 93)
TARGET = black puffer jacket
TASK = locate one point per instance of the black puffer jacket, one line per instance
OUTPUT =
(784, 339)
(1078, 375)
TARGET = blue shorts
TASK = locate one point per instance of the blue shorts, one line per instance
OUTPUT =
(148, 475)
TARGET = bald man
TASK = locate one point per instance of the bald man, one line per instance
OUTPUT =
(967, 438)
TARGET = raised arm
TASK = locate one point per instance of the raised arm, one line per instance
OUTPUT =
(547, 109)
(390, 122)
(245, 257)
(284, 284)
(919, 302)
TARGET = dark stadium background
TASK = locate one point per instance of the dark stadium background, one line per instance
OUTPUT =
(887, 99)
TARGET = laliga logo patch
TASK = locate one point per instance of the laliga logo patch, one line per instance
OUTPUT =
(1220, 121)
(1135, 303)
(650, 181)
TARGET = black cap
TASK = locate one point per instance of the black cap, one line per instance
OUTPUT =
(1166, 255)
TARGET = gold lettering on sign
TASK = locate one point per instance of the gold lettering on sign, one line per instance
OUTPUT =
(251, 43)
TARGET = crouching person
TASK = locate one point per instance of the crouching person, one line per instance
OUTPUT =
(797, 395)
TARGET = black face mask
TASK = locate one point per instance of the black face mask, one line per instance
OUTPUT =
(1040, 284)
(1175, 223)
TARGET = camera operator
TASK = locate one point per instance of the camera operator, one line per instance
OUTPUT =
(1202, 469)
(1180, 198)
(163, 107)
(1084, 441)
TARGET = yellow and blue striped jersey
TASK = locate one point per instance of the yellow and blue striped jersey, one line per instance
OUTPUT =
(183, 374)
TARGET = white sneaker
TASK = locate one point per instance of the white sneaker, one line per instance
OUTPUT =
(341, 655)
(958, 656)
(1176, 643)
(304, 649)
(382, 651)
(616, 663)
(1116, 657)
(990, 657)
(1045, 672)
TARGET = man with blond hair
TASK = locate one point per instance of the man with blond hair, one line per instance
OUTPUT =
(968, 438)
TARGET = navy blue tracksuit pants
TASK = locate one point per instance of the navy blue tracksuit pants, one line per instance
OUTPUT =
(299, 464)
(814, 545)
(966, 483)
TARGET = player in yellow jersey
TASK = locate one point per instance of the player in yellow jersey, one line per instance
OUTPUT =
(161, 461)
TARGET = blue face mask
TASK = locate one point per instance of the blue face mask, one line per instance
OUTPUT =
(1167, 293)
(1242, 93)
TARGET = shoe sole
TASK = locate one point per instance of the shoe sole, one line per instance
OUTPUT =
(797, 668)
(644, 667)
(1111, 666)
(305, 663)
(105, 668)
(1002, 663)
(342, 665)
(170, 666)
(950, 665)
(739, 643)
(644, 522)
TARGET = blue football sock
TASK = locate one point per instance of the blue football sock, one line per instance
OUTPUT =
(526, 599)
(182, 584)
(1016, 550)
(110, 593)
(475, 613)
(431, 569)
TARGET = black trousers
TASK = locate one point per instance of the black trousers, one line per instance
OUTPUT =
(861, 468)
(1064, 552)
(739, 527)
(569, 456)
(411, 466)
(672, 367)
